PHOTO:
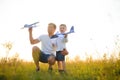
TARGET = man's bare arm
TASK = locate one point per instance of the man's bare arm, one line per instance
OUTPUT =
(32, 41)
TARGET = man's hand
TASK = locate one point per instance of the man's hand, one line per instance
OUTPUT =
(32, 41)
(30, 29)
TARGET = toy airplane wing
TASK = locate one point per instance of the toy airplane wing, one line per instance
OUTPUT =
(71, 31)
(30, 25)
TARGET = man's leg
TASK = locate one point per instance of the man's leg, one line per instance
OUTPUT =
(51, 61)
(36, 56)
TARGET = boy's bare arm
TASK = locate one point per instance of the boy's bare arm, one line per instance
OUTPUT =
(65, 39)
(32, 41)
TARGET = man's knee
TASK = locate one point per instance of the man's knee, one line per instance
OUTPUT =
(35, 48)
(51, 60)
(35, 52)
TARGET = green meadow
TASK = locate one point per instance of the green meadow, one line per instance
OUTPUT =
(104, 69)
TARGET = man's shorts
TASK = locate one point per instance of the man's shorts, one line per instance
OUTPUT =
(44, 57)
(60, 56)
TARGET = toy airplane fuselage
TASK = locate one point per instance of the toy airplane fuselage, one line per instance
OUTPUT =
(30, 25)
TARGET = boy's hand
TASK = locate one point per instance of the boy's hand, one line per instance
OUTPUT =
(66, 35)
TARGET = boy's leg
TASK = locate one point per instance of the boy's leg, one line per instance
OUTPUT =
(60, 65)
(36, 56)
(64, 65)
(60, 58)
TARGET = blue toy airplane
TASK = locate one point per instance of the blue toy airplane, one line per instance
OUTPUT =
(71, 31)
(30, 25)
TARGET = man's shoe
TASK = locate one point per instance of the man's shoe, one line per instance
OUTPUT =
(37, 69)
(50, 69)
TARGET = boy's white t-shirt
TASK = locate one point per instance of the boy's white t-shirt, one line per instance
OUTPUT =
(47, 44)
(61, 41)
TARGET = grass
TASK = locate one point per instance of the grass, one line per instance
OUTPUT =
(15, 69)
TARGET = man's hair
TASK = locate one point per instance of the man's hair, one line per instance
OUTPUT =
(63, 25)
(53, 25)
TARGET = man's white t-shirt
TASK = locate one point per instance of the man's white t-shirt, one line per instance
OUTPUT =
(61, 41)
(47, 44)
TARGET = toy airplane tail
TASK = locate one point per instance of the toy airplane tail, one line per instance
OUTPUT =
(30, 25)
(72, 29)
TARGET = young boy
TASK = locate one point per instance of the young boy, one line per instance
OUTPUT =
(62, 39)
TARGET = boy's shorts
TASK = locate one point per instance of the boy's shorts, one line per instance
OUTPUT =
(44, 57)
(60, 56)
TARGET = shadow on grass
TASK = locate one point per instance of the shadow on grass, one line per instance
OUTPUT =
(3, 77)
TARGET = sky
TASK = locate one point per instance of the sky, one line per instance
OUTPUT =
(96, 23)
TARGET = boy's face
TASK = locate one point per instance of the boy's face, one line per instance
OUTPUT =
(51, 29)
(62, 29)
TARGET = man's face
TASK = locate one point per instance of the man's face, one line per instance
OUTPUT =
(62, 29)
(51, 29)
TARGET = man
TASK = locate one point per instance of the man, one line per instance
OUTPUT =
(47, 51)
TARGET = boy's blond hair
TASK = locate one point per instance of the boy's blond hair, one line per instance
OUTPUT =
(63, 25)
(53, 25)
